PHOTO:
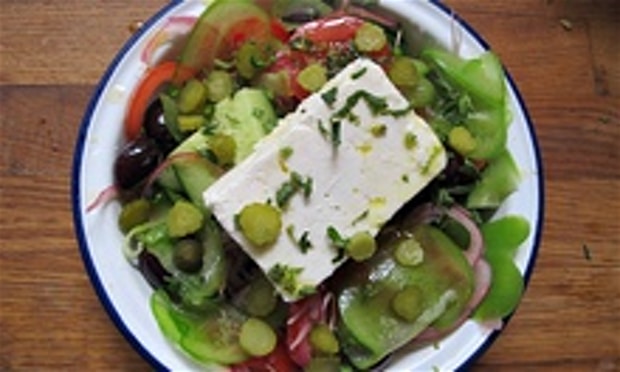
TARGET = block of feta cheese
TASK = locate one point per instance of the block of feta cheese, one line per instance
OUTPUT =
(359, 152)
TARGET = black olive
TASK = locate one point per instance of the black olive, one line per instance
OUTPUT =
(458, 171)
(301, 14)
(152, 270)
(187, 255)
(155, 127)
(135, 162)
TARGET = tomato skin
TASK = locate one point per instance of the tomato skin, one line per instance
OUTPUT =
(245, 30)
(152, 81)
(329, 30)
(278, 30)
(292, 62)
(327, 36)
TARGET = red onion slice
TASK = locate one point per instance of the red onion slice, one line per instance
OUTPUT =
(428, 213)
(168, 40)
(476, 244)
(107, 195)
(303, 316)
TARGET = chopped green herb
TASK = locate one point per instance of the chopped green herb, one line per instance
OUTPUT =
(287, 277)
(336, 133)
(283, 156)
(360, 217)
(444, 198)
(324, 132)
(337, 240)
(302, 44)
(289, 188)
(359, 73)
(411, 140)
(436, 151)
(209, 155)
(329, 97)
(453, 104)
(378, 130)
(286, 152)
(405, 178)
(210, 127)
(303, 242)
(376, 104)
(340, 255)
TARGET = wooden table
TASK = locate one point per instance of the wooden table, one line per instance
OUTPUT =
(564, 56)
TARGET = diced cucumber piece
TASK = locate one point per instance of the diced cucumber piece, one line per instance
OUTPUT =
(195, 174)
(498, 180)
(247, 117)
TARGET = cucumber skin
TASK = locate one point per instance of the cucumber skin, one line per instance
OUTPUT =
(247, 117)
(192, 333)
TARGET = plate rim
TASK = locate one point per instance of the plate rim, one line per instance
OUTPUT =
(78, 156)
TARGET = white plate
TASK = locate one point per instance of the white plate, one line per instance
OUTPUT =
(121, 288)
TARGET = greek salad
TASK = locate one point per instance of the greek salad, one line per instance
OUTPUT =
(304, 189)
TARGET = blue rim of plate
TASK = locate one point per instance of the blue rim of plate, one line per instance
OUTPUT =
(79, 151)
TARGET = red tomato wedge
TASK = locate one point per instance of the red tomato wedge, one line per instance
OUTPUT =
(329, 30)
(153, 80)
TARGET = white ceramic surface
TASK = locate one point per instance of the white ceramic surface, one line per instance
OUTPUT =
(125, 294)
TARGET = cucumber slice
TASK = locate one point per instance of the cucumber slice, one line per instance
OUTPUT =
(209, 37)
(247, 117)
(195, 175)
(372, 328)
(210, 337)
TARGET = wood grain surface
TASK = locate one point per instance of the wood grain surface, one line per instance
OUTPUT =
(564, 56)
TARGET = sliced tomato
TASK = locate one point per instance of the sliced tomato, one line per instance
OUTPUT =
(291, 62)
(152, 82)
(223, 27)
(277, 361)
(329, 30)
(278, 30)
(252, 28)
